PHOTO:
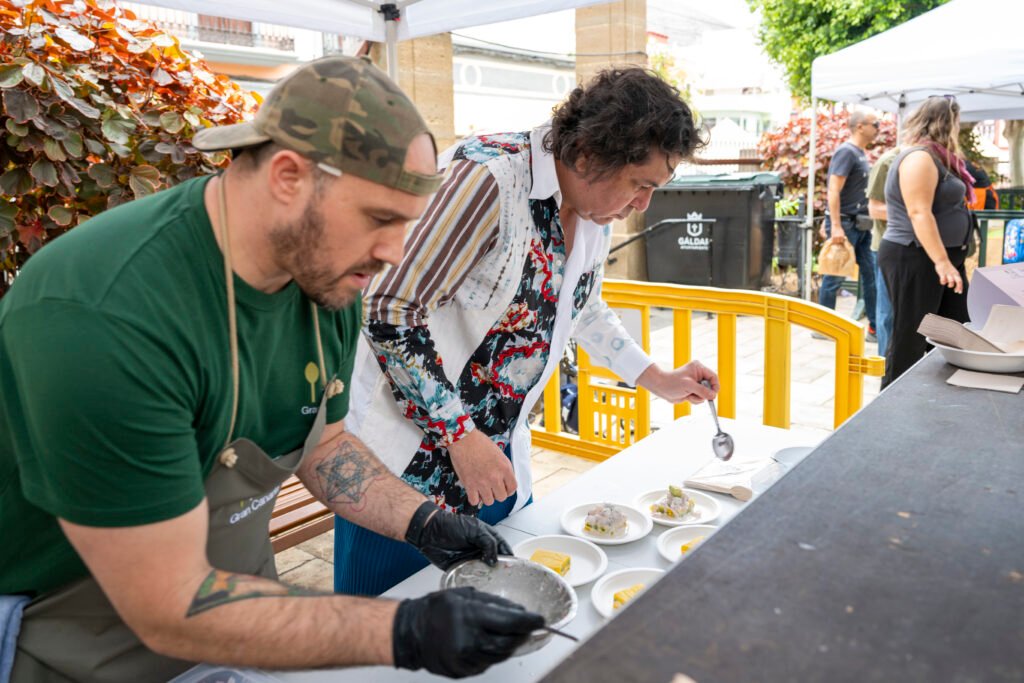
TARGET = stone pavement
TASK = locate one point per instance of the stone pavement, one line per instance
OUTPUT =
(310, 564)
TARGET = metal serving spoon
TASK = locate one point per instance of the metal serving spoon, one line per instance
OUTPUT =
(560, 633)
(721, 443)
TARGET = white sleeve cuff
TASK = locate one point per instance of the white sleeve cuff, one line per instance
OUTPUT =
(631, 362)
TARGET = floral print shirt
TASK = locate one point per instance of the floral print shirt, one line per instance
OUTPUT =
(511, 358)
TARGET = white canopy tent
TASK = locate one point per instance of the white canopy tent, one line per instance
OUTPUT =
(968, 48)
(384, 22)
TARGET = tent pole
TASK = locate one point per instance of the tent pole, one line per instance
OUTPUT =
(899, 117)
(391, 16)
(809, 225)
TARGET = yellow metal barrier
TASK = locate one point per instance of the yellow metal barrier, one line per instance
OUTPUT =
(611, 417)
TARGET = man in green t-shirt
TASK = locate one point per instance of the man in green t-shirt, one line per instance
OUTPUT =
(877, 211)
(151, 407)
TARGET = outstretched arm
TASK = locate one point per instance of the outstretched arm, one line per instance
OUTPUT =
(602, 334)
(161, 584)
(159, 580)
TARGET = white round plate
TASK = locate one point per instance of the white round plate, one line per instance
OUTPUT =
(705, 509)
(792, 455)
(670, 541)
(639, 524)
(603, 592)
(587, 560)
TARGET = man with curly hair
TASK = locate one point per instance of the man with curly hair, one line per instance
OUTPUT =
(504, 267)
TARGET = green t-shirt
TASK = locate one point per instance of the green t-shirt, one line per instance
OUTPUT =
(115, 378)
(876, 191)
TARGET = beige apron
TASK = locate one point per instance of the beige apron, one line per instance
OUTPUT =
(74, 633)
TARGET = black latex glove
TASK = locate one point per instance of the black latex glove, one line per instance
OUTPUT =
(446, 538)
(459, 632)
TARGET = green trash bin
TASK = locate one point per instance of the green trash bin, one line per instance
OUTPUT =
(735, 251)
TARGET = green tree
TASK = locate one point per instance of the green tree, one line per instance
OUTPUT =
(795, 32)
(785, 150)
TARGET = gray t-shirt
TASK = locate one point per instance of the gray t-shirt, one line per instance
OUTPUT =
(949, 207)
(851, 162)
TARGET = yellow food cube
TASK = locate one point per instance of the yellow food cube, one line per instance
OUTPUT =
(556, 562)
(625, 595)
(690, 545)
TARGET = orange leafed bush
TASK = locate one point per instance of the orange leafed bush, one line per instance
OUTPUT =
(98, 109)
(785, 150)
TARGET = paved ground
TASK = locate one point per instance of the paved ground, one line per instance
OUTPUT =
(310, 564)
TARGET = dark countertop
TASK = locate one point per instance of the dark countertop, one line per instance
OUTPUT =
(894, 552)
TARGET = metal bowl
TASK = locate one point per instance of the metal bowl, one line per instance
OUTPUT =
(526, 583)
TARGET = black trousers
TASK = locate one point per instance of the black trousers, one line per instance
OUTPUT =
(915, 290)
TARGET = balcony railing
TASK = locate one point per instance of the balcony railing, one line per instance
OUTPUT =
(211, 29)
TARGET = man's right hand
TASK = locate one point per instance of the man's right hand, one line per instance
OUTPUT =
(838, 234)
(459, 632)
(484, 470)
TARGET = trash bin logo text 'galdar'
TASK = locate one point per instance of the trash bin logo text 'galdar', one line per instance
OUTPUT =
(694, 239)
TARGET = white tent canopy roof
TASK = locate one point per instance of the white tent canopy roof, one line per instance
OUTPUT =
(362, 18)
(969, 48)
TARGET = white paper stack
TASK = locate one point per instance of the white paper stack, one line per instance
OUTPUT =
(739, 479)
(986, 380)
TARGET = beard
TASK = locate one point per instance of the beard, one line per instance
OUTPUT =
(297, 248)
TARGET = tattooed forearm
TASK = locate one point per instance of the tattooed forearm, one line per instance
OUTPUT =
(220, 588)
(346, 474)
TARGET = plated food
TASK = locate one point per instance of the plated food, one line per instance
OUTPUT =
(620, 598)
(690, 545)
(587, 562)
(555, 561)
(607, 523)
(675, 544)
(615, 590)
(678, 505)
(675, 504)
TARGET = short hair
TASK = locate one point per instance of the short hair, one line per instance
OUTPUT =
(249, 159)
(857, 117)
(255, 156)
(618, 118)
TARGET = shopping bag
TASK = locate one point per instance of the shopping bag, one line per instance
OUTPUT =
(837, 258)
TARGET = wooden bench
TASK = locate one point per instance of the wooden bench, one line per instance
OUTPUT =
(297, 517)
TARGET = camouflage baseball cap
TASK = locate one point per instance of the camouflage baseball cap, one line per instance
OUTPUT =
(344, 114)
